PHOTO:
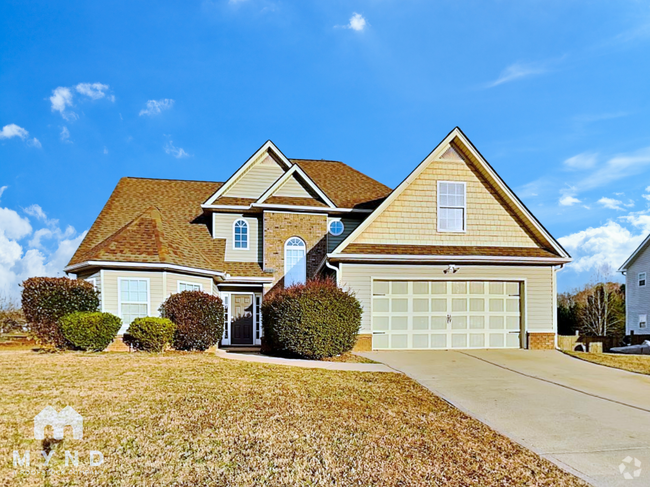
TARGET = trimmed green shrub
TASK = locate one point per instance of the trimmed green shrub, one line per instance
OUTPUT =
(198, 318)
(313, 320)
(45, 300)
(150, 334)
(90, 331)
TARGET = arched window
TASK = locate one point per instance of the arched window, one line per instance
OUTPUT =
(240, 235)
(295, 262)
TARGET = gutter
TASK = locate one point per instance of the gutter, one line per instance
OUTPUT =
(336, 271)
(448, 258)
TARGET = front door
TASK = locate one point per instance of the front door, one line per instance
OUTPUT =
(241, 328)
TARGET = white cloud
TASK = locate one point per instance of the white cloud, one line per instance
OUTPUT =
(155, 107)
(177, 152)
(94, 91)
(357, 22)
(13, 130)
(617, 167)
(65, 135)
(60, 99)
(568, 200)
(2, 190)
(45, 254)
(585, 160)
(105, 150)
(518, 71)
(611, 203)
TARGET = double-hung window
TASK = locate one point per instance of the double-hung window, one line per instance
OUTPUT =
(240, 235)
(643, 321)
(641, 279)
(134, 300)
(188, 286)
(451, 206)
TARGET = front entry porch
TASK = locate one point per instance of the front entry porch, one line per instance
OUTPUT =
(243, 326)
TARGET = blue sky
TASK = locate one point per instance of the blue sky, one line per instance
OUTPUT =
(553, 93)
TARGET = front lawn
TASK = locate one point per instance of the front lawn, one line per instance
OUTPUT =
(631, 363)
(193, 419)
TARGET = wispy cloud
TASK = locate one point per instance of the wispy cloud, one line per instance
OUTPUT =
(518, 71)
(65, 135)
(586, 160)
(613, 204)
(155, 107)
(2, 190)
(617, 167)
(12, 130)
(568, 200)
(177, 152)
(62, 97)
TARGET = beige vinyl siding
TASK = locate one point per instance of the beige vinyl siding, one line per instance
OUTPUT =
(637, 298)
(97, 276)
(223, 228)
(537, 296)
(411, 219)
(172, 279)
(291, 187)
(256, 180)
(110, 289)
(349, 225)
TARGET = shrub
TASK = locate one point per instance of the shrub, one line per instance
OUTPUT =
(150, 334)
(198, 318)
(45, 300)
(90, 331)
(313, 320)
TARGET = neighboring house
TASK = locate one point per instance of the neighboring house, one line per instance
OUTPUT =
(636, 270)
(449, 259)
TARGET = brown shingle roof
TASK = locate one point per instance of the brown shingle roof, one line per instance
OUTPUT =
(293, 201)
(379, 249)
(158, 221)
(345, 186)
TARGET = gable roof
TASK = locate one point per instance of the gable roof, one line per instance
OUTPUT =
(158, 221)
(344, 185)
(303, 179)
(630, 260)
(459, 142)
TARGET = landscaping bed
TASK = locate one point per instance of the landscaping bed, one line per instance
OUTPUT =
(193, 419)
(631, 363)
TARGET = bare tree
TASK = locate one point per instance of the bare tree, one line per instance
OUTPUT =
(603, 312)
(11, 316)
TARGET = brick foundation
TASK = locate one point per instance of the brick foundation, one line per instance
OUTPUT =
(541, 341)
(364, 343)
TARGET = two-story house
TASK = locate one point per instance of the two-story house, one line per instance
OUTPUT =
(637, 290)
(451, 258)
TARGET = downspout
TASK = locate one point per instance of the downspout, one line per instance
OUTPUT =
(555, 271)
(336, 271)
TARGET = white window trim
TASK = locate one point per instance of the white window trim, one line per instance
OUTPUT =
(464, 230)
(119, 293)
(639, 278)
(329, 227)
(304, 246)
(643, 320)
(248, 234)
(187, 283)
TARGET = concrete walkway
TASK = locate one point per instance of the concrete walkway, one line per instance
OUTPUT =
(309, 364)
(584, 417)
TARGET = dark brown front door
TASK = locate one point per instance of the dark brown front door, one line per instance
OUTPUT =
(242, 319)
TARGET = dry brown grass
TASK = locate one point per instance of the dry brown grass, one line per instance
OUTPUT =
(350, 358)
(193, 419)
(631, 363)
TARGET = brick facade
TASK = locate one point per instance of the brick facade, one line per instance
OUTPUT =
(279, 227)
(541, 341)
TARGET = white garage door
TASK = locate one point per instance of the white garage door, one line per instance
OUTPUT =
(445, 314)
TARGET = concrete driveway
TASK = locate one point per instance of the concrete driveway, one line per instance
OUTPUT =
(584, 417)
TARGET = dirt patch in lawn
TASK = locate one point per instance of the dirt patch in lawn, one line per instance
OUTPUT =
(194, 419)
(631, 363)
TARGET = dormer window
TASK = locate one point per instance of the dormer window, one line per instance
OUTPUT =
(240, 234)
(451, 206)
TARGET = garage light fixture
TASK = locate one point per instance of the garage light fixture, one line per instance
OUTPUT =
(451, 269)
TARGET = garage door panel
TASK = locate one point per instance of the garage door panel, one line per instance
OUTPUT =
(446, 314)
